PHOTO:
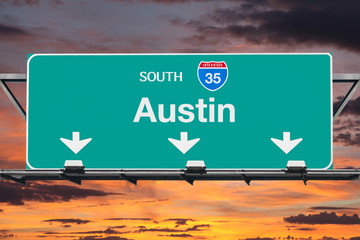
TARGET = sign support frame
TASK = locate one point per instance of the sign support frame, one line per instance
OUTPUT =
(133, 176)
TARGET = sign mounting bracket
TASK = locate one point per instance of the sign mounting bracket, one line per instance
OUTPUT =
(129, 179)
(346, 78)
(4, 78)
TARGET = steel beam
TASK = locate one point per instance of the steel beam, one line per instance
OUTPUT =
(133, 176)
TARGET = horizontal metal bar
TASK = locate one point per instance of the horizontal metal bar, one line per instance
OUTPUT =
(12, 76)
(344, 81)
(346, 76)
(181, 174)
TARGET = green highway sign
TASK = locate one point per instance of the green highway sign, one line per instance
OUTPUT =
(157, 111)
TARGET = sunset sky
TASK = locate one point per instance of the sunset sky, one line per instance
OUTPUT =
(118, 210)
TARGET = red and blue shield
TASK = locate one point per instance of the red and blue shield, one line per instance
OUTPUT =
(212, 75)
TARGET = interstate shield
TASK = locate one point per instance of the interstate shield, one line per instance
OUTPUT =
(212, 75)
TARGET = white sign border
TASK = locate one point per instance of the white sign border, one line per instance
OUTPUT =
(171, 54)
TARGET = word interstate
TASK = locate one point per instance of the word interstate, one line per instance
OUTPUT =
(185, 111)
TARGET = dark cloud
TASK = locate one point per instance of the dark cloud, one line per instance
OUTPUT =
(158, 230)
(182, 235)
(66, 226)
(17, 194)
(347, 139)
(108, 231)
(281, 22)
(153, 201)
(347, 124)
(52, 232)
(332, 208)
(68, 220)
(259, 238)
(305, 229)
(328, 238)
(324, 218)
(96, 205)
(355, 238)
(20, 3)
(127, 219)
(199, 227)
(347, 129)
(164, 1)
(6, 30)
(4, 233)
(352, 107)
(103, 238)
(1, 210)
(31, 3)
(7, 235)
(120, 226)
(350, 167)
(180, 221)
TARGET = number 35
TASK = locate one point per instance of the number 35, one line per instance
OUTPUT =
(213, 79)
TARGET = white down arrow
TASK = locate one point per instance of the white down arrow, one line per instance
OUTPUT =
(286, 144)
(184, 144)
(76, 144)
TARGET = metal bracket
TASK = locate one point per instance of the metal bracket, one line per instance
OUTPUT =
(20, 180)
(71, 178)
(346, 78)
(304, 179)
(129, 179)
(246, 180)
(187, 179)
(4, 78)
